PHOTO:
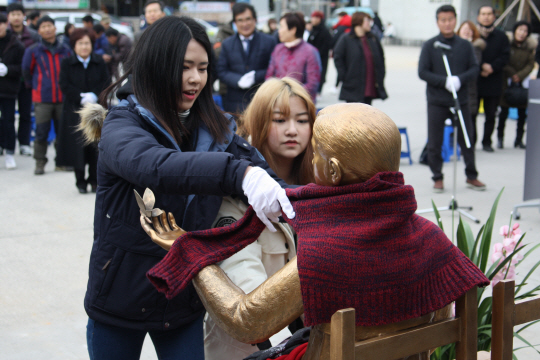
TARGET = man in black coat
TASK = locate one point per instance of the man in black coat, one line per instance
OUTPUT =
(243, 59)
(494, 57)
(464, 69)
(320, 38)
(11, 55)
(28, 36)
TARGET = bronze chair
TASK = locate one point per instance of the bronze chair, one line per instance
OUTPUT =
(461, 330)
(506, 314)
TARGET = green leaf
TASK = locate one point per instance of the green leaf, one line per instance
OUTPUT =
(525, 341)
(437, 215)
(484, 308)
(474, 257)
(462, 241)
(526, 326)
(527, 276)
(486, 237)
(504, 262)
(530, 293)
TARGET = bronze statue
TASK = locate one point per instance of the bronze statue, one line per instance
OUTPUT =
(352, 143)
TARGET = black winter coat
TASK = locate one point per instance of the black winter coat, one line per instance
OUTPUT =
(431, 69)
(350, 64)
(135, 153)
(74, 80)
(320, 38)
(497, 54)
(12, 58)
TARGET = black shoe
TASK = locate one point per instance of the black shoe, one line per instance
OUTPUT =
(93, 188)
(82, 190)
(520, 145)
(500, 144)
(488, 148)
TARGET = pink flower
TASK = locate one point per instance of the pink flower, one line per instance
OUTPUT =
(511, 272)
(497, 253)
(504, 230)
(498, 277)
(509, 244)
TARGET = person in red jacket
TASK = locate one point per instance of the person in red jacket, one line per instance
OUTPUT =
(41, 69)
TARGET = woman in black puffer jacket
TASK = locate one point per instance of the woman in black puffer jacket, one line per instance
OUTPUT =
(168, 136)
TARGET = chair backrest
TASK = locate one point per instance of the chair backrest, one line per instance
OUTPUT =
(462, 330)
(506, 314)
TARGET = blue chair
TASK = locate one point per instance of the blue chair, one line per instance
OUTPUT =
(448, 145)
(405, 154)
(218, 100)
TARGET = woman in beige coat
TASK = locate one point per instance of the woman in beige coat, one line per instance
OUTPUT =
(522, 50)
(278, 122)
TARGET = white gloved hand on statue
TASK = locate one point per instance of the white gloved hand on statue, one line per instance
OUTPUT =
(3, 69)
(266, 197)
(247, 80)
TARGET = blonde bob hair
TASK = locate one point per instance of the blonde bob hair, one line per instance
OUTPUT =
(256, 122)
(364, 139)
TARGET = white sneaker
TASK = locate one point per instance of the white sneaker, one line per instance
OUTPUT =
(25, 150)
(10, 162)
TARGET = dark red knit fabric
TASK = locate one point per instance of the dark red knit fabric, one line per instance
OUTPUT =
(195, 250)
(359, 246)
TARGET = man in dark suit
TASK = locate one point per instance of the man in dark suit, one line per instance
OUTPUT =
(244, 59)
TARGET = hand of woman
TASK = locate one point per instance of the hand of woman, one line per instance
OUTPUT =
(166, 231)
(266, 196)
(515, 78)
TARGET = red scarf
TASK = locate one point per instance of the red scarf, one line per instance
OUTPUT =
(373, 253)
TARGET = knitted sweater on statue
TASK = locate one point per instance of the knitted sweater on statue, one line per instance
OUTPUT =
(359, 246)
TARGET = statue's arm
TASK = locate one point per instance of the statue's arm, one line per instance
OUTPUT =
(251, 318)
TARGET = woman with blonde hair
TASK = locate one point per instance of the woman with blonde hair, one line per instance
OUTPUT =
(279, 123)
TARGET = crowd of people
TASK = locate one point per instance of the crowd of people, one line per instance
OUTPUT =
(53, 76)
(485, 67)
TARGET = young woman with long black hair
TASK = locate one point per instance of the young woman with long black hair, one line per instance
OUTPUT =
(168, 136)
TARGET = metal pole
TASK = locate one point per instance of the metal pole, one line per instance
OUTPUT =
(506, 12)
(520, 10)
(535, 9)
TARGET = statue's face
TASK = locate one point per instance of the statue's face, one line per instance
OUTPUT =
(320, 166)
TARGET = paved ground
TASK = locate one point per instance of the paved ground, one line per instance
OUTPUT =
(46, 226)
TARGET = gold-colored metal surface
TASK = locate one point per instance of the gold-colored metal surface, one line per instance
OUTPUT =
(165, 234)
(254, 317)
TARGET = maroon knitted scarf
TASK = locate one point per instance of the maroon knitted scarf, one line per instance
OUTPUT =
(359, 246)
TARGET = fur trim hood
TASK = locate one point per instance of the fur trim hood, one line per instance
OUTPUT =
(92, 117)
(530, 43)
(479, 44)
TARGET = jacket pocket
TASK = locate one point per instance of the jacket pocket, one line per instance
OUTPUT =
(126, 291)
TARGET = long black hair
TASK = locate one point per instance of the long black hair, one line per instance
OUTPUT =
(156, 65)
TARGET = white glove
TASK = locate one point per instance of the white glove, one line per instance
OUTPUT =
(247, 80)
(3, 69)
(454, 79)
(88, 98)
(266, 196)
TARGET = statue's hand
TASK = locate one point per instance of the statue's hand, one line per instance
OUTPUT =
(162, 229)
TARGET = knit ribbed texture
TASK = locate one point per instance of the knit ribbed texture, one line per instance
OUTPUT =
(359, 246)
(362, 246)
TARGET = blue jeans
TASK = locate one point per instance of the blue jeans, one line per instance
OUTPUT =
(116, 343)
